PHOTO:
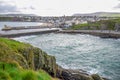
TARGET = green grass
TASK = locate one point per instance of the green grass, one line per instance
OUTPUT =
(43, 75)
(11, 71)
(4, 76)
(110, 25)
(10, 51)
(6, 18)
(12, 44)
(29, 75)
(14, 64)
(86, 26)
(79, 26)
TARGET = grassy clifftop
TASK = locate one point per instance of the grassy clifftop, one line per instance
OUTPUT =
(20, 61)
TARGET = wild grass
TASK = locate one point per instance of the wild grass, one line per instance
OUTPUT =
(11, 71)
(12, 44)
(13, 65)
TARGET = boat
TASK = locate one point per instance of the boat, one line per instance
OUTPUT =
(6, 28)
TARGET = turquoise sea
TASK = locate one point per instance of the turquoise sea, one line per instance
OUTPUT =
(77, 51)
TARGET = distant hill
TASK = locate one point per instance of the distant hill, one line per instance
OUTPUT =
(101, 14)
(17, 15)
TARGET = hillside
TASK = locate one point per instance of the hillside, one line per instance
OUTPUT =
(18, 61)
(17, 15)
(100, 14)
(112, 24)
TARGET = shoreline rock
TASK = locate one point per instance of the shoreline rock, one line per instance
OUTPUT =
(70, 74)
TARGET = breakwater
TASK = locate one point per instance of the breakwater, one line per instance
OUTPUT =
(102, 34)
(7, 28)
(17, 33)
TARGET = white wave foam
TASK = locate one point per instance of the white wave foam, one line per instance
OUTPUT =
(23, 38)
(93, 71)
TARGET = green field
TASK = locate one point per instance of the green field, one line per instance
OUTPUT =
(109, 25)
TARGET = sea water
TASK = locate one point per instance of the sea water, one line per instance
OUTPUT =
(78, 51)
(19, 24)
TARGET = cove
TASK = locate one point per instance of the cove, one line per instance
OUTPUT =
(77, 51)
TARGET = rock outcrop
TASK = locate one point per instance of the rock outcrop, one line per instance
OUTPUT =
(27, 56)
(69, 74)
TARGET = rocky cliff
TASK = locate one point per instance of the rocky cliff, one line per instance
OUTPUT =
(29, 57)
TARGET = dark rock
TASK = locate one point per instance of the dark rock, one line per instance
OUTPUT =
(68, 74)
(96, 77)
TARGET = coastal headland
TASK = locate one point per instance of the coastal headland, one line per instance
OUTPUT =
(28, 61)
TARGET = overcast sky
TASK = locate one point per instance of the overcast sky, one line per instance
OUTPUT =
(58, 7)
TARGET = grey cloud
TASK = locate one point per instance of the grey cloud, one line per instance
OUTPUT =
(29, 7)
(7, 8)
(118, 6)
